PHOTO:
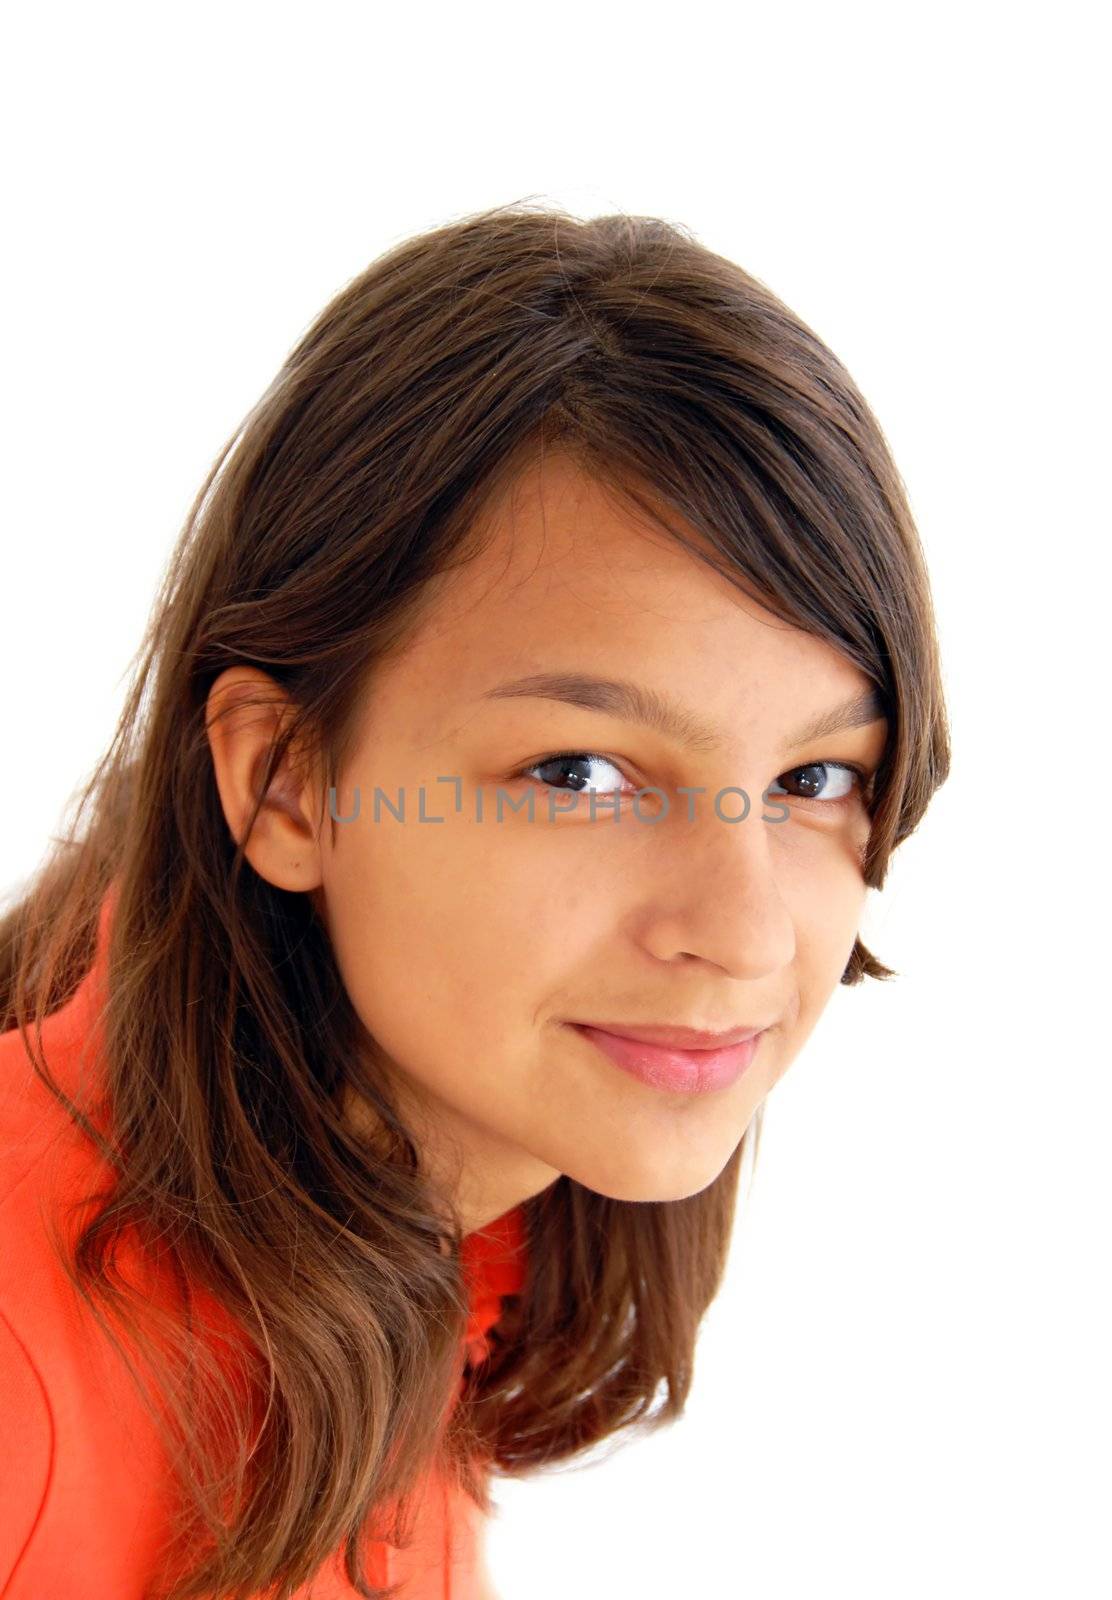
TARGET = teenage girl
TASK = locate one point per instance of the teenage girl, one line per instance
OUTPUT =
(545, 672)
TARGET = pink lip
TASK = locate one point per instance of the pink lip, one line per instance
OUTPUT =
(678, 1038)
(674, 1070)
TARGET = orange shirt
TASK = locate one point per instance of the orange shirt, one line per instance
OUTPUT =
(84, 1483)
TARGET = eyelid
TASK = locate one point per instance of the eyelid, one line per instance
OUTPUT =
(863, 774)
(860, 791)
(571, 755)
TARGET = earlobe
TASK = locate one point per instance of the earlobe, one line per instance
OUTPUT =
(244, 714)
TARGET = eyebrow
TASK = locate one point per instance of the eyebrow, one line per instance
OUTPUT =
(621, 697)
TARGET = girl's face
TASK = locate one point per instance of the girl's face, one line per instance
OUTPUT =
(470, 946)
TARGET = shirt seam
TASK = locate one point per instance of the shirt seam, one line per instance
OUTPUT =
(51, 1455)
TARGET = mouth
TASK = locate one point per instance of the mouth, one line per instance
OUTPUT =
(669, 1067)
(674, 1037)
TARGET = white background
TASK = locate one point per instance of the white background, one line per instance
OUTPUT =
(904, 1389)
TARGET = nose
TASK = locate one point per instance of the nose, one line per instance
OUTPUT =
(712, 893)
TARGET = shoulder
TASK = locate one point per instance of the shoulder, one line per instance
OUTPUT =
(69, 1042)
(28, 1129)
(32, 1119)
(81, 1477)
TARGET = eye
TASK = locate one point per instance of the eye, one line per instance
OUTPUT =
(814, 782)
(578, 764)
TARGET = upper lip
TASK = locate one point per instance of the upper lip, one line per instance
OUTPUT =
(679, 1038)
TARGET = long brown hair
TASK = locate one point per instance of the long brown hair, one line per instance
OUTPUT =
(415, 396)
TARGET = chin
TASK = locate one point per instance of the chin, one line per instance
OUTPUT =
(649, 1185)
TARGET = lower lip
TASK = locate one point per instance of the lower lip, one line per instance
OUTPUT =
(675, 1071)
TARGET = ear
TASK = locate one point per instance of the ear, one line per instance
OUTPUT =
(245, 711)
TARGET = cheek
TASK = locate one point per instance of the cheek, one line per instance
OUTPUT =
(827, 906)
(446, 935)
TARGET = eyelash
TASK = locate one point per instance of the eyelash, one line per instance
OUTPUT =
(860, 791)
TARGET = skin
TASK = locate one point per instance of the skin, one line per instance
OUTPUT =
(467, 945)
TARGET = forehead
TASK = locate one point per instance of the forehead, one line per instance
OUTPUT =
(560, 540)
(572, 577)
